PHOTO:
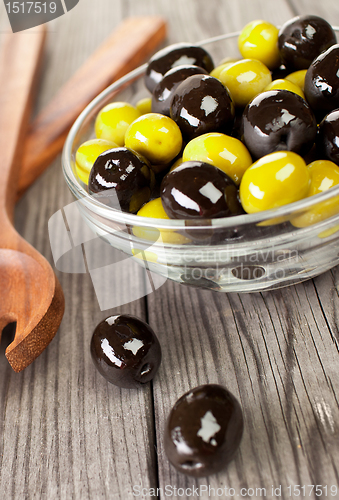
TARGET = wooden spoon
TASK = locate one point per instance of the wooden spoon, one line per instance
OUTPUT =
(31, 295)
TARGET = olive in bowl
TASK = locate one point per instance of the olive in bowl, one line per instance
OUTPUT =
(122, 179)
(322, 82)
(172, 56)
(201, 104)
(205, 252)
(302, 39)
(328, 139)
(164, 90)
(278, 120)
(198, 190)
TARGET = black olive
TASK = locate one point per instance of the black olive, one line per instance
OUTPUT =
(199, 190)
(202, 104)
(278, 120)
(126, 351)
(328, 141)
(123, 178)
(322, 82)
(164, 90)
(175, 55)
(302, 39)
(203, 430)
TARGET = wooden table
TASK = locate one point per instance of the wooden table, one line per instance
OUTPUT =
(68, 434)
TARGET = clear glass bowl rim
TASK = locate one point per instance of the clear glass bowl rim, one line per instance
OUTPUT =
(171, 224)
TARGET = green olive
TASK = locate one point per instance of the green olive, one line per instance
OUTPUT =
(324, 175)
(113, 121)
(285, 84)
(155, 136)
(176, 164)
(298, 78)
(222, 65)
(144, 105)
(274, 180)
(259, 40)
(155, 210)
(86, 155)
(245, 79)
(225, 152)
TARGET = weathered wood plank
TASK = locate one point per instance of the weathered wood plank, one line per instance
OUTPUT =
(280, 363)
(66, 432)
(329, 10)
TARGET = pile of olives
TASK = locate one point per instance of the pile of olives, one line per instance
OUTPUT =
(205, 426)
(212, 141)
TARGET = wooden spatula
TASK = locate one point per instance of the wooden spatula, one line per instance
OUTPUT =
(135, 40)
(30, 293)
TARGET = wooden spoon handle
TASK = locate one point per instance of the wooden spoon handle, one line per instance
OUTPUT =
(130, 45)
(20, 55)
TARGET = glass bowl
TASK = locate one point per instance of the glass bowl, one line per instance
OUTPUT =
(244, 253)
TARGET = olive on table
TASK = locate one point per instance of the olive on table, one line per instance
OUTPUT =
(278, 120)
(172, 56)
(199, 190)
(122, 178)
(126, 351)
(202, 104)
(203, 430)
(302, 39)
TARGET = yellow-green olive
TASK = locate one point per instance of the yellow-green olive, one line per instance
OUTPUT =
(285, 84)
(155, 136)
(245, 79)
(298, 78)
(113, 120)
(155, 210)
(274, 180)
(259, 40)
(324, 174)
(225, 152)
(86, 155)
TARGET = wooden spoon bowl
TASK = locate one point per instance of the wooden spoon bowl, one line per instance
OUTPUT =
(36, 309)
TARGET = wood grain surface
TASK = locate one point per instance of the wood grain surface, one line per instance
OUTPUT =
(67, 434)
